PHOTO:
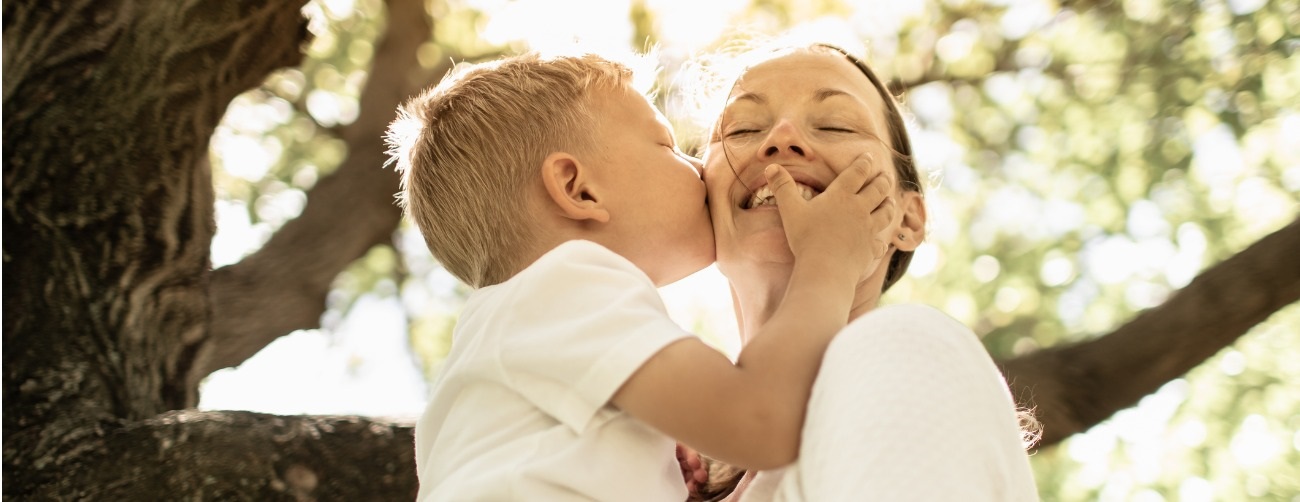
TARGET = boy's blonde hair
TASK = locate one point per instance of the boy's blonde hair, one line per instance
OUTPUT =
(468, 147)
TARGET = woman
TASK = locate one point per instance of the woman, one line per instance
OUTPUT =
(907, 405)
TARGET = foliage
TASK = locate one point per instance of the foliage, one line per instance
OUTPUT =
(1086, 161)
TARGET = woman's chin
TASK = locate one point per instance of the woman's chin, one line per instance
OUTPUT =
(766, 246)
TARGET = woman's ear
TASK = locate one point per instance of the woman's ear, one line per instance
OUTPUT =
(571, 189)
(911, 230)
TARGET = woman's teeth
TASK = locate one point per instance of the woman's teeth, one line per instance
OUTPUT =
(764, 197)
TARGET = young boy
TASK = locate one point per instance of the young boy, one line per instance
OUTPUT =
(556, 189)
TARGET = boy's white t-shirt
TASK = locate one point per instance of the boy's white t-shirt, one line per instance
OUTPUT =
(520, 409)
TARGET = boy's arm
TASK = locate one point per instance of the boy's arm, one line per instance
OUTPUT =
(750, 413)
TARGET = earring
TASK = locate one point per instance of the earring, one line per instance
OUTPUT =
(902, 237)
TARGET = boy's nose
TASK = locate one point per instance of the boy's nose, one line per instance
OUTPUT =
(696, 163)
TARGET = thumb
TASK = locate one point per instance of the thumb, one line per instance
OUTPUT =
(783, 187)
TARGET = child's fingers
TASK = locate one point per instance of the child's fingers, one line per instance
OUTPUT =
(852, 179)
(885, 212)
(691, 463)
(877, 191)
(882, 246)
(698, 471)
(783, 187)
(881, 218)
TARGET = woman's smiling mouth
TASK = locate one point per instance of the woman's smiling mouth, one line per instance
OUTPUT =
(763, 196)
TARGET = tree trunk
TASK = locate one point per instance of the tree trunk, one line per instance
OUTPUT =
(108, 210)
(112, 316)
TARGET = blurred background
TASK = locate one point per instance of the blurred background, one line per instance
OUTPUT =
(1085, 160)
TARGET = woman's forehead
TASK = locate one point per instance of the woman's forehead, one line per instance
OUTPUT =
(806, 72)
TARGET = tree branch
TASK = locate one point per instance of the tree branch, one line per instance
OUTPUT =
(1104, 6)
(282, 287)
(1073, 387)
(1004, 60)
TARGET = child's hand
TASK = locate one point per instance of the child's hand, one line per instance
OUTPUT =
(694, 472)
(848, 221)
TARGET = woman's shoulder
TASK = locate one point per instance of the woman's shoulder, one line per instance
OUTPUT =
(920, 330)
(920, 349)
(918, 318)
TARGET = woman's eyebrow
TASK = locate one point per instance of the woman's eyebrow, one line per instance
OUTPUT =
(750, 96)
(819, 96)
(826, 93)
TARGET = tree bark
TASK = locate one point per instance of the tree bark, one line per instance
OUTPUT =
(109, 107)
(234, 455)
(1073, 387)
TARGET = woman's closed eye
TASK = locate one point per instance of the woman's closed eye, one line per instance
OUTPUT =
(739, 131)
(835, 129)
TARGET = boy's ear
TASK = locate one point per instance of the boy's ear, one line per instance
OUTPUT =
(571, 188)
(911, 230)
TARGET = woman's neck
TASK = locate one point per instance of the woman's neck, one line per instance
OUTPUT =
(759, 292)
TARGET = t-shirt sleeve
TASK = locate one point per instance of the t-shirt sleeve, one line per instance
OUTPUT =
(584, 319)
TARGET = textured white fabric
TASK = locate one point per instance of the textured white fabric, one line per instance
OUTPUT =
(519, 410)
(907, 406)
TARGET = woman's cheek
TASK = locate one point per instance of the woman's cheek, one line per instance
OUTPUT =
(715, 186)
(881, 159)
(712, 180)
(717, 174)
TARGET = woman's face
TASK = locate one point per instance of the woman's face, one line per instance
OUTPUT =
(811, 112)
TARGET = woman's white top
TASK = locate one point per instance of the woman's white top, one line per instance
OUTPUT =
(907, 405)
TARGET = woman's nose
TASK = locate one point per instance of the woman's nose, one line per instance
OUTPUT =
(784, 138)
